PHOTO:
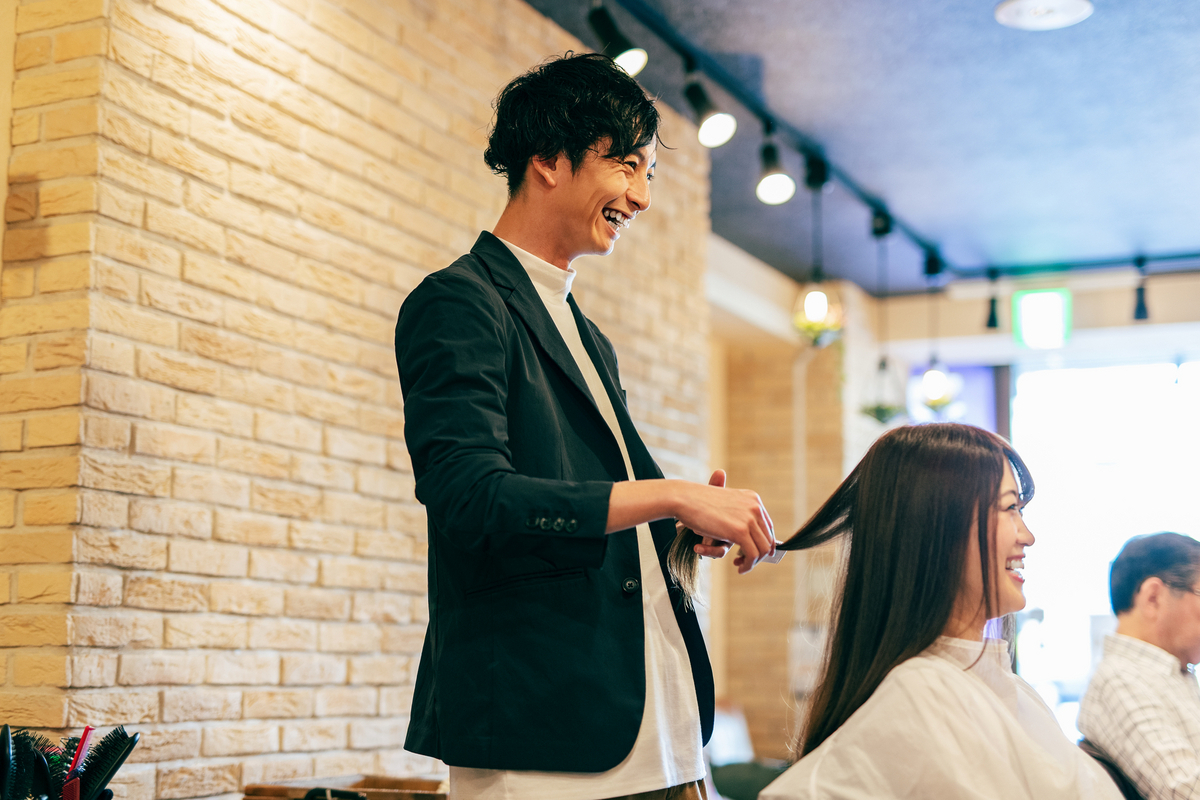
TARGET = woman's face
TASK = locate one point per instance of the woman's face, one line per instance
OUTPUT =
(1009, 538)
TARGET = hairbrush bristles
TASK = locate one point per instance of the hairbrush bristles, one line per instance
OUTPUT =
(8, 765)
(103, 761)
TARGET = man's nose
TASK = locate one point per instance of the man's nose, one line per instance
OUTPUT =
(639, 194)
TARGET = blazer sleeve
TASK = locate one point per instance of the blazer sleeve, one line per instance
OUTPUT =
(454, 343)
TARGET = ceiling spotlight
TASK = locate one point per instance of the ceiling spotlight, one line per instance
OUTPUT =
(1140, 312)
(1042, 15)
(881, 222)
(933, 264)
(614, 44)
(816, 172)
(775, 186)
(993, 317)
(716, 126)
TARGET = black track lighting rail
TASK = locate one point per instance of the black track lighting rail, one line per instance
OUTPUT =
(701, 61)
(1024, 270)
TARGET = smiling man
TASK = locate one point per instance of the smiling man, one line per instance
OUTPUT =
(562, 659)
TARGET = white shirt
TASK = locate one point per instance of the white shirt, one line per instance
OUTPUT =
(1143, 709)
(668, 749)
(953, 722)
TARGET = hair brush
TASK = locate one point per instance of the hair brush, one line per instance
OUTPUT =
(103, 760)
(8, 765)
(48, 764)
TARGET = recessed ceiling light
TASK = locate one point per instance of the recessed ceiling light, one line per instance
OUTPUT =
(1042, 15)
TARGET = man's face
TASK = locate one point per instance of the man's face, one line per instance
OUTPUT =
(1181, 625)
(601, 198)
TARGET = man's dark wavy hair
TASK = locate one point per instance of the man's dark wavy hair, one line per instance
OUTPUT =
(566, 105)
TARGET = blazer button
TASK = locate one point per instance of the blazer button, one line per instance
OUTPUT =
(545, 524)
(532, 522)
(630, 585)
(559, 523)
(571, 526)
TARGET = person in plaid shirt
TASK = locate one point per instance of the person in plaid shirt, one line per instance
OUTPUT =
(1142, 706)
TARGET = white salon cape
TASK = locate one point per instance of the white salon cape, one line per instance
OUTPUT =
(943, 725)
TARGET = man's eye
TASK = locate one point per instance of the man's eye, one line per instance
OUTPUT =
(649, 176)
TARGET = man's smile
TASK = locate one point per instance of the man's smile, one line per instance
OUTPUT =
(617, 220)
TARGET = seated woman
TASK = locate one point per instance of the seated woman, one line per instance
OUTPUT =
(913, 702)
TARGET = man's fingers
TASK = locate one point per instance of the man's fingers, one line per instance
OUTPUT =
(712, 551)
(718, 478)
(767, 545)
(752, 548)
(770, 523)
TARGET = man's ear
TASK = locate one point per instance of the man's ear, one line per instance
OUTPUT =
(1150, 595)
(547, 171)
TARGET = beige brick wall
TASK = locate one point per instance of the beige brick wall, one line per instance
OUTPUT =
(762, 456)
(207, 523)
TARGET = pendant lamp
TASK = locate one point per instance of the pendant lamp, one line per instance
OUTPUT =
(818, 310)
(937, 389)
(887, 389)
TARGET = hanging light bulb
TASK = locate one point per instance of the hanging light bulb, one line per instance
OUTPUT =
(937, 389)
(716, 126)
(613, 43)
(816, 305)
(935, 386)
(775, 186)
(818, 313)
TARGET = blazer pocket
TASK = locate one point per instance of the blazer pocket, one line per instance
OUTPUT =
(528, 580)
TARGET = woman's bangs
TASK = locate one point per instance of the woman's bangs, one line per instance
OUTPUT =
(1022, 474)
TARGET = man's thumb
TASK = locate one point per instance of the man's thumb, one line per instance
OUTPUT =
(718, 478)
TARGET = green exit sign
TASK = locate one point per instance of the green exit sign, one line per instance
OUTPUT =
(1042, 318)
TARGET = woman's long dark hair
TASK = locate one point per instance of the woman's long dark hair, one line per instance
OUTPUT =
(907, 510)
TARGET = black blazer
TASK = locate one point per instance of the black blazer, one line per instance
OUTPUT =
(534, 657)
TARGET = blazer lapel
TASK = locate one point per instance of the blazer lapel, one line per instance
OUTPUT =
(643, 463)
(522, 298)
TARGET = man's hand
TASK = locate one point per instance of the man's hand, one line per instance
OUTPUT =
(725, 517)
(708, 546)
(721, 517)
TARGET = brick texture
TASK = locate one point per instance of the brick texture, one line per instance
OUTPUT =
(215, 210)
(762, 395)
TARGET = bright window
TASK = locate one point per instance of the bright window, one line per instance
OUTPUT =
(1115, 452)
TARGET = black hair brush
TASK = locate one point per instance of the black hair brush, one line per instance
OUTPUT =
(8, 765)
(103, 760)
(46, 763)
(37, 767)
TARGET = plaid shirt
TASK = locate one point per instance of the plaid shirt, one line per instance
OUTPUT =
(1144, 711)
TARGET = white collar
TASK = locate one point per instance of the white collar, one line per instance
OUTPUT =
(548, 278)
